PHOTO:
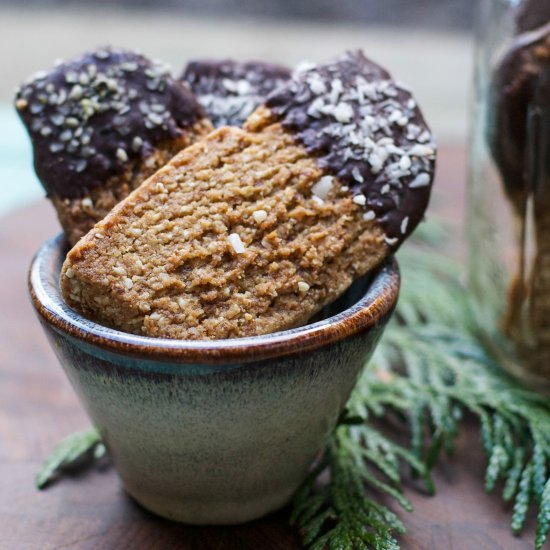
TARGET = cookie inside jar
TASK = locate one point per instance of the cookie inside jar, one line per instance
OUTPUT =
(509, 195)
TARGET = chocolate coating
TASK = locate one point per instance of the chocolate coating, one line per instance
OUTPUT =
(89, 118)
(532, 14)
(520, 83)
(229, 90)
(368, 132)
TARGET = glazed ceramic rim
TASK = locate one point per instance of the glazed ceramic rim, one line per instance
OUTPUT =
(378, 303)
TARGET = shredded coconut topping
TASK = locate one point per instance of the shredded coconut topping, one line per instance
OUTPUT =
(404, 225)
(422, 180)
(369, 216)
(230, 91)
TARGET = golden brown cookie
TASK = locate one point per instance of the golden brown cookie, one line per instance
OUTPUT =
(250, 231)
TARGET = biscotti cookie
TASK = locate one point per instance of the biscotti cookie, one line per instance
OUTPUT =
(230, 90)
(100, 125)
(532, 14)
(520, 80)
(518, 126)
(254, 230)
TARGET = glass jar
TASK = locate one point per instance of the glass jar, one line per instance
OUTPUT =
(508, 220)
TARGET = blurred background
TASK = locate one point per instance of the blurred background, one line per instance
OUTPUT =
(426, 44)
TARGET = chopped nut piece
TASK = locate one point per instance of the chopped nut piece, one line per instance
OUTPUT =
(323, 187)
(236, 243)
(303, 287)
(259, 216)
(87, 203)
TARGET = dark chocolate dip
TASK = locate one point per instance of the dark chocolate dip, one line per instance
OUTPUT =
(230, 90)
(89, 117)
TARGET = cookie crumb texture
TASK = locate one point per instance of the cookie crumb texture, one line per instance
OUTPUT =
(227, 240)
(77, 215)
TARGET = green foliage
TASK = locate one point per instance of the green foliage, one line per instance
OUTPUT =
(339, 514)
(431, 367)
(76, 450)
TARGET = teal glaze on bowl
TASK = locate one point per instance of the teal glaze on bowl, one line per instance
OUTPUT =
(214, 432)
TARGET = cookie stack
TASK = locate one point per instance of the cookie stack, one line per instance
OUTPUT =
(286, 187)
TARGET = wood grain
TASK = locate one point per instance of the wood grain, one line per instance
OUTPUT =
(38, 407)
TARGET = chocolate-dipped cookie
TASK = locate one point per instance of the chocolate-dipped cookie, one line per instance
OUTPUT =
(368, 132)
(518, 137)
(513, 86)
(531, 15)
(253, 230)
(101, 124)
(231, 90)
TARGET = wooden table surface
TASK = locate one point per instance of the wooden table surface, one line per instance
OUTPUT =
(38, 408)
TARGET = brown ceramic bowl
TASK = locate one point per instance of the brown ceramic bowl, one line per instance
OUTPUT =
(214, 432)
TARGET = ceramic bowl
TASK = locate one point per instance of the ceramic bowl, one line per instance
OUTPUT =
(214, 432)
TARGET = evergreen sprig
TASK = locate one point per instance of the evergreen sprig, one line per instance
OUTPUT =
(431, 367)
(339, 514)
(76, 451)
